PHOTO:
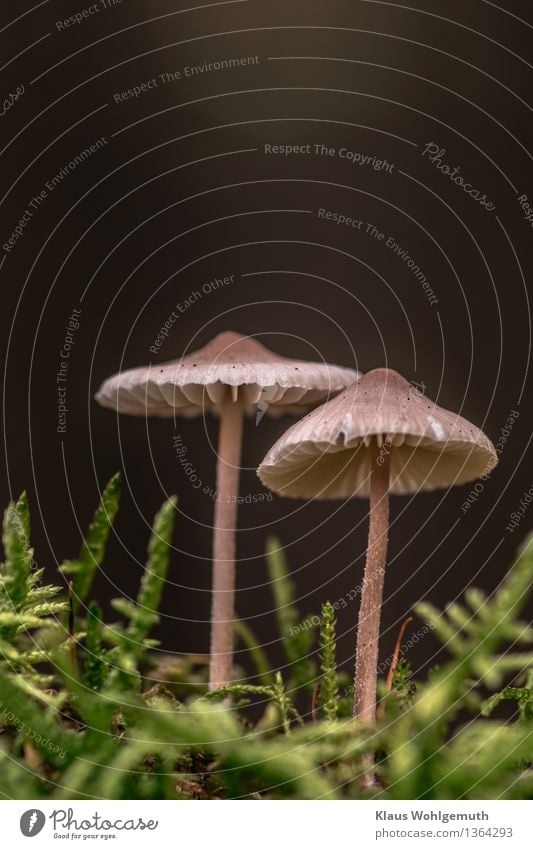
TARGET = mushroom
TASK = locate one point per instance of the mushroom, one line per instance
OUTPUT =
(232, 375)
(380, 436)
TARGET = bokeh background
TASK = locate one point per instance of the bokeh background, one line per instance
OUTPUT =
(180, 192)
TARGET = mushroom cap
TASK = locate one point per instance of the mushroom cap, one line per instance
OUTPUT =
(230, 367)
(326, 454)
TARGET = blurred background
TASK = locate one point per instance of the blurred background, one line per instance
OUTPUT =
(144, 149)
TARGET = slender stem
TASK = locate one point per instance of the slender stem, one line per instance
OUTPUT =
(366, 664)
(396, 654)
(394, 663)
(225, 522)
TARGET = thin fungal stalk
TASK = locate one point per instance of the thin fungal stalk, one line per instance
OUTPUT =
(224, 545)
(366, 674)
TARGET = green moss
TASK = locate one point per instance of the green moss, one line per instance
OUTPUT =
(106, 719)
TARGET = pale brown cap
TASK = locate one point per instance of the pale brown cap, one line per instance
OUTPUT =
(230, 367)
(326, 454)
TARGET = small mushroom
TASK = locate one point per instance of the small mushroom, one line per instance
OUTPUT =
(232, 375)
(380, 436)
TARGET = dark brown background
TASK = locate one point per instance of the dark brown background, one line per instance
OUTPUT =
(161, 209)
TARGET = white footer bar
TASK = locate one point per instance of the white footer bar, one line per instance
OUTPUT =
(268, 825)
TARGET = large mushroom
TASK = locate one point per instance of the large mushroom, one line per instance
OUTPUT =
(380, 436)
(231, 376)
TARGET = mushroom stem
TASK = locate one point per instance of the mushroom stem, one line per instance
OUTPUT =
(225, 522)
(372, 593)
